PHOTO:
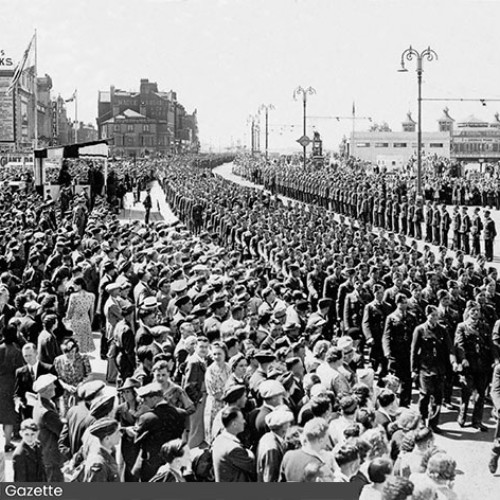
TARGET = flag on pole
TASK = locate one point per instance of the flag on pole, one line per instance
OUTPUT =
(353, 109)
(27, 62)
(72, 98)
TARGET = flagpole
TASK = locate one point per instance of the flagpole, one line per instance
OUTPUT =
(353, 127)
(76, 116)
(36, 94)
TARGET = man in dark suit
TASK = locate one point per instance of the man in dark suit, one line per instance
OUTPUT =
(160, 424)
(30, 325)
(232, 462)
(26, 376)
(271, 447)
(194, 385)
(27, 460)
(50, 425)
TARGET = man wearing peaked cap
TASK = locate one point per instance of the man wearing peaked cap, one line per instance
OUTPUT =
(101, 465)
(160, 424)
(103, 406)
(271, 446)
(212, 325)
(50, 426)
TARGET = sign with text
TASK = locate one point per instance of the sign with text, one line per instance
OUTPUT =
(6, 110)
(5, 61)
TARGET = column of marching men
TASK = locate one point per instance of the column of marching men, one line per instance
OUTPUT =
(254, 342)
(385, 201)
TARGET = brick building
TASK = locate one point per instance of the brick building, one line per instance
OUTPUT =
(145, 122)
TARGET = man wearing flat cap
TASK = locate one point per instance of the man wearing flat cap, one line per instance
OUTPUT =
(49, 423)
(271, 448)
(100, 465)
(272, 394)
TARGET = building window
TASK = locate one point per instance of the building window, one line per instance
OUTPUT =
(363, 145)
(145, 128)
(400, 145)
(381, 144)
(130, 128)
(436, 145)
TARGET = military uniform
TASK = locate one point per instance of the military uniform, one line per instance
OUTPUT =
(101, 467)
(396, 343)
(430, 350)
(473, 343)
(374, 317)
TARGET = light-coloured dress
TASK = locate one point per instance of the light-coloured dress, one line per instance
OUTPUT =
(73, 372)
(80, 307)
(215, 381)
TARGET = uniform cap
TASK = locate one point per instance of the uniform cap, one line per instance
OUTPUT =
(89, 390)
(325, 302)
(102, 405)
(233, 393)
(149, 303)
(32, 305)
(182, 301)
(104, 427)
(265, 355)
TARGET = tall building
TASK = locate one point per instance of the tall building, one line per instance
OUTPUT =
(145, 122)
(17, 112)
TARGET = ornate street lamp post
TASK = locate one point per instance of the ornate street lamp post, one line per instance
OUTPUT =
(409, 54)
(266, 108)
(304, 92)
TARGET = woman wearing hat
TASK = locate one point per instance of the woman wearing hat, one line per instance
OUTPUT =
(80, 314)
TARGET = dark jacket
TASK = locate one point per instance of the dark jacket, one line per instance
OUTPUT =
(27, 463)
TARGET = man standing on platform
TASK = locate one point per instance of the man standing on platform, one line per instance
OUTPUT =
(490, 233)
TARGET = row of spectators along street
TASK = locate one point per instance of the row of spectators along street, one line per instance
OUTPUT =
(257, 341)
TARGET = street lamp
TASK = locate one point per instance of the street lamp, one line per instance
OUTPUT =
(430, 55)
(305, 92)
(266, 108)
(251, 121)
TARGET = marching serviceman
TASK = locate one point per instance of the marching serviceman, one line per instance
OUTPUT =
(490, 233)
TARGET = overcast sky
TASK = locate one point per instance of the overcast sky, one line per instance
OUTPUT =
(226, 57)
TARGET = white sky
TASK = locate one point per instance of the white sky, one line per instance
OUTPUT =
(226, 57)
